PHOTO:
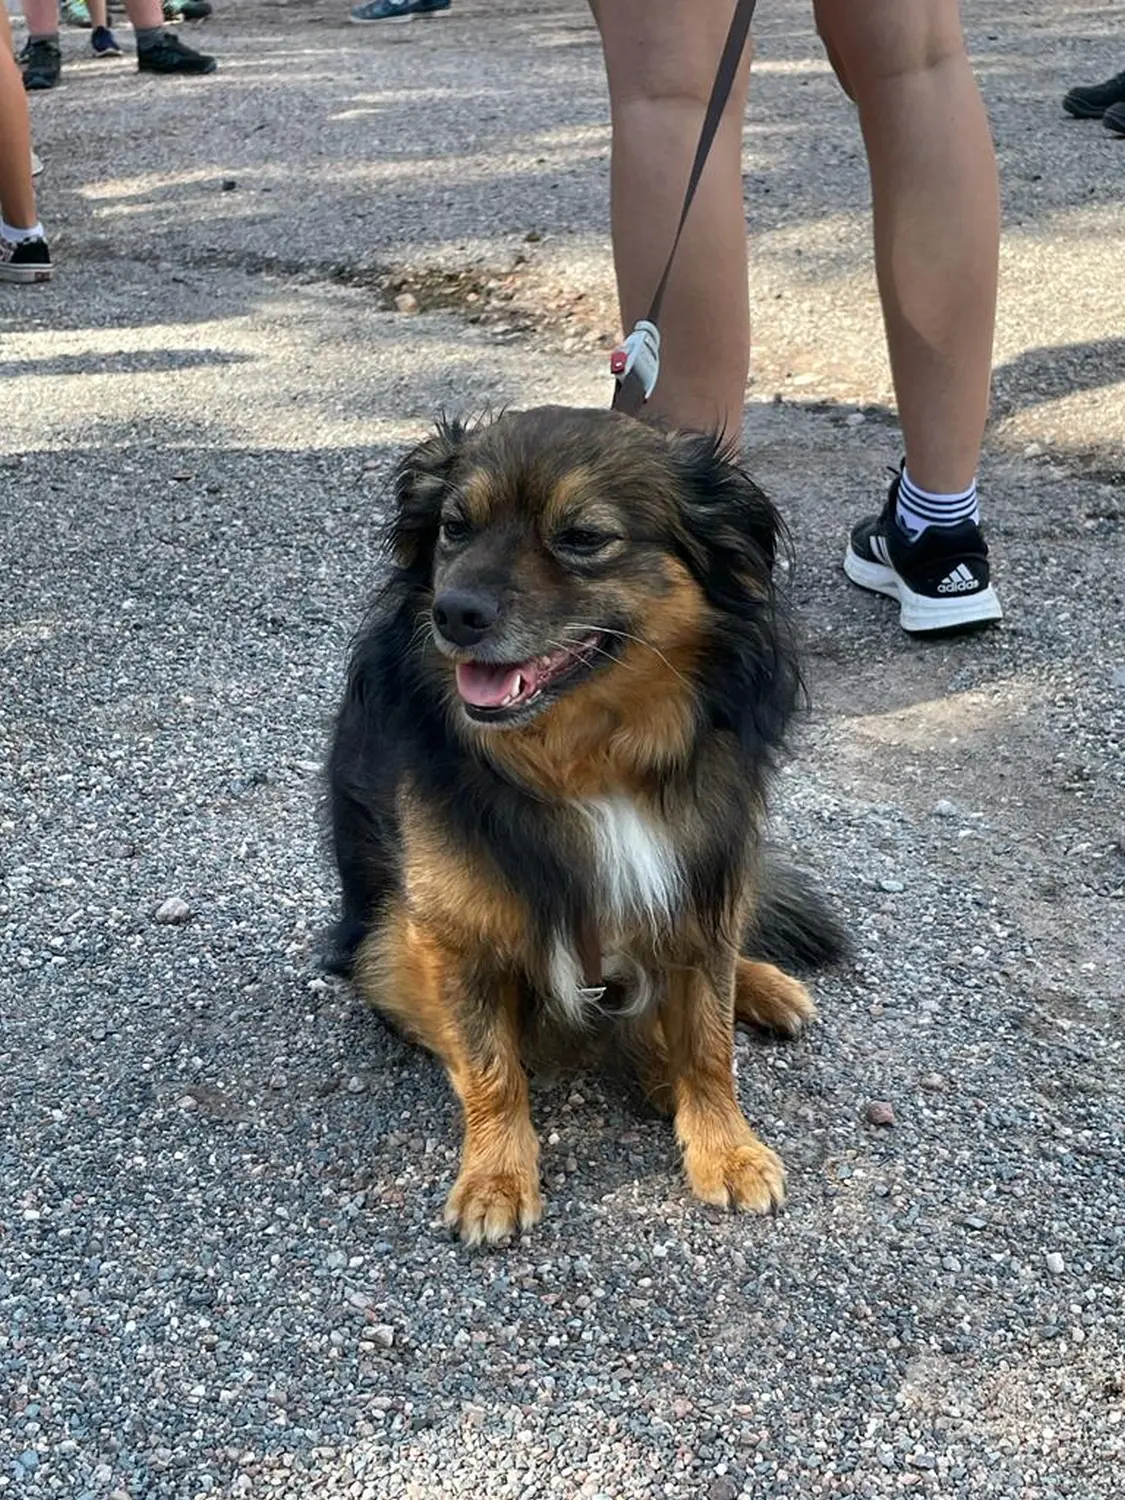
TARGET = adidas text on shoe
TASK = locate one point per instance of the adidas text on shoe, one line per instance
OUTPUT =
(42, 63)
(1091, 103)
(381, 10)
(171, 56)
(941, 580)
(29, 261)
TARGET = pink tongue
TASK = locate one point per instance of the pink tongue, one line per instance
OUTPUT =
(486, 686)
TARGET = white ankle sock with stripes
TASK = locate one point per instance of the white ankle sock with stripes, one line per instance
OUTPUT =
(918, 508)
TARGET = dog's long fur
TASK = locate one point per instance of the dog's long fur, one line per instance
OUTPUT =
(491, 855)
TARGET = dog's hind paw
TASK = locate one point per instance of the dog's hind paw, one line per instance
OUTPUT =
(764, 996)
(487, 1206)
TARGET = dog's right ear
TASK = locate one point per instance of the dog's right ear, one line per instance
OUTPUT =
(420, 484)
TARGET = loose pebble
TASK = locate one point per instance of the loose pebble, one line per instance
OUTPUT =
(173, 912)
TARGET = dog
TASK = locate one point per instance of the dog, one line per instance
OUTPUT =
(547, 786)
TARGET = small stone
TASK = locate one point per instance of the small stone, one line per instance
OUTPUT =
(187, 1102)
(945, 808)
(533, 237)
(229, 184)
(406, 302)
(879, 1112)
(1055, 1263)
(172, 912)
(335, 1260)
(382, 1334)
(356, 1084)
(974, 1221)
(30, 1459)
(723, 1489)
(888, 883)
(934, 1082)
(854, 419)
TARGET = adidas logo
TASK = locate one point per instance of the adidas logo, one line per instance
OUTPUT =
(960, 581)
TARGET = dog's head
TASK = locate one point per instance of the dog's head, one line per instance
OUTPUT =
(566, 554)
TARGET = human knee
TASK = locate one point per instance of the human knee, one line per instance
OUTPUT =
(870, 42)
(666, 54)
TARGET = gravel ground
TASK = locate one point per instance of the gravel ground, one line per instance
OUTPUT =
(222, 1270)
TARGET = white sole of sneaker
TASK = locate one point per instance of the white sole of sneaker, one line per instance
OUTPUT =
(25, 275)
(917, 613)
(381, 20)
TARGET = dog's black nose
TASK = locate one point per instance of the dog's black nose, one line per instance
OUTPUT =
(465, 618)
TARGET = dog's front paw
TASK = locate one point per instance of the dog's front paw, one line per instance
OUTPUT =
(741, 1174)
(765, 996)
(488, 1205)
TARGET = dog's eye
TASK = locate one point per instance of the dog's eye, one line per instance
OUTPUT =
(454, 528)
(581, 540)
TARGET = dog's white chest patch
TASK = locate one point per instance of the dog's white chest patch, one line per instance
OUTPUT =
(638, 871)
(637, 875)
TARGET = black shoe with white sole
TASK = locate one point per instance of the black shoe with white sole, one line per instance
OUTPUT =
(941, 581)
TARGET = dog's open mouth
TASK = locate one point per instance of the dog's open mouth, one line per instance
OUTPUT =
(493, 690)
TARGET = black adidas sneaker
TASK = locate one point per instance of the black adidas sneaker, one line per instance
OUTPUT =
(941, 581)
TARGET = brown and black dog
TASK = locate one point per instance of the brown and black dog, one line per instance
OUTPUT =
(548, 780)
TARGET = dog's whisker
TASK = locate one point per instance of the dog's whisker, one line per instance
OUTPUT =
(595, 649)
(625, 635)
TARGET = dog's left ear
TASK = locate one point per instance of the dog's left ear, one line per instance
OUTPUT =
(731, 530)
(420, 484)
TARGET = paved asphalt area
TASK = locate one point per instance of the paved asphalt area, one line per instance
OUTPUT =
(222, 1270)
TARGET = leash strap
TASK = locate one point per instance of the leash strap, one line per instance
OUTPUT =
(636, 362)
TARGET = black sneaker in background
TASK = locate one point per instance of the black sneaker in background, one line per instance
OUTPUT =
(171, 56)
(28, 261)
(42, 64)
(1114, 119)
(941, 581)
(1091, 103)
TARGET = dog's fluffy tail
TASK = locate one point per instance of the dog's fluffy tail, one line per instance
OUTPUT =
(794, 926)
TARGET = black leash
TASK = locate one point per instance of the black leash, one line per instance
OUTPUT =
(636, 362)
